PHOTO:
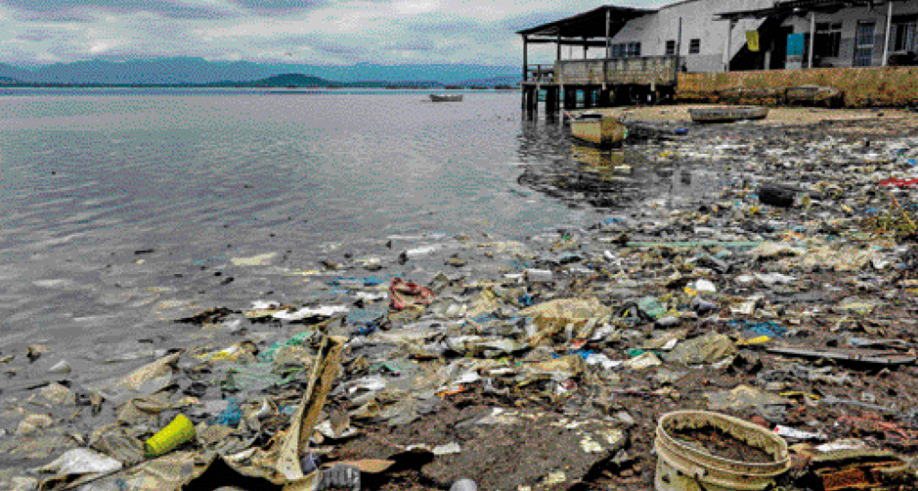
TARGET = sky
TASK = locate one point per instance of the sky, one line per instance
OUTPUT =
(318, 32)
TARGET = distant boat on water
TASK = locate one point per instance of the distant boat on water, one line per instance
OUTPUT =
(446, 97)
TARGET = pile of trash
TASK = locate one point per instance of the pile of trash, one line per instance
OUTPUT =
(776, 314)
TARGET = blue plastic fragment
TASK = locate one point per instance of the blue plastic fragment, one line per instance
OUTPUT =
(767, 328)
(231, 416)
(310, 462)
(373, 281)
(584, 353)
(371, 327)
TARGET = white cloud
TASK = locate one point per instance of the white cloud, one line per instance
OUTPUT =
(317, 31)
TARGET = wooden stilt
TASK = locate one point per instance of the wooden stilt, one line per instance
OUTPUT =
(530, 101)
(604, 100)
(551, 100)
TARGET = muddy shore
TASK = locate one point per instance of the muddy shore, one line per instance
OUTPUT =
(546, 363)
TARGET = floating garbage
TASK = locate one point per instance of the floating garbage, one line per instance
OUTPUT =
(766, 313)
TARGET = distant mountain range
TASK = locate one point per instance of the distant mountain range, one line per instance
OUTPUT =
(197, 71)
(283, 80)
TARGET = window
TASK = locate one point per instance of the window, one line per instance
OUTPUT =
(828, 39)
(863, 43)
(623, 50)
(694, 46)
(633, 49)
(904, 38)
(671, 47)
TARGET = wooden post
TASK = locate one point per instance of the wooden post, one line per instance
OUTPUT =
(604, 98)
(558, 53)
(889, 11)
(809, 63)
(678, 50)
(605, 62)
(608, 40)
(525, 56)
(551, 100)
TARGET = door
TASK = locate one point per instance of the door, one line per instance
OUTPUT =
(779, 47)
(863, 43)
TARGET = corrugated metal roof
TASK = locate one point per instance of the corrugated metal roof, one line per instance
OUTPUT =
(591, 24)
(789, 6)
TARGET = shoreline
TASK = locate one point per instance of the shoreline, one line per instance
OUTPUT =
(802, 116)
(640, 331)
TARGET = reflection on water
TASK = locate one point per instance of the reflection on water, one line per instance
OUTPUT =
(582, 175)
(598, 160)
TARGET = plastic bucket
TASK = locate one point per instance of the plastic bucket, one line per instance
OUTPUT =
(681, 467)
(179, 431)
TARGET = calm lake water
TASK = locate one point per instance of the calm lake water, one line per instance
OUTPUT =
(115, 201)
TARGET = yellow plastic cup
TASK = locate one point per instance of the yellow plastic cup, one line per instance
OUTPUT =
(179, 431)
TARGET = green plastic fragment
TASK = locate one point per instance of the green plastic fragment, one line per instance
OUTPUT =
(652, 307)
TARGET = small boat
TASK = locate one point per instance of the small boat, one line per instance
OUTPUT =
(446, 97)
(604, 131)
(816, 95)
(727, 114)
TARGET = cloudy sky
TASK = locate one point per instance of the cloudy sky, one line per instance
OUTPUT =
(334, 32)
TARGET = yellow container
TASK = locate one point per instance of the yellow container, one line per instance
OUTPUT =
(179, 431)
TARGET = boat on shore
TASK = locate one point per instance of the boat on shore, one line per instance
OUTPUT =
(602, 131)
(815, 95)
(727, 114)
(446, 97)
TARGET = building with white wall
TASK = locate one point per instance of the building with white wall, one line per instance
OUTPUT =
(731, 35)
(834, 33)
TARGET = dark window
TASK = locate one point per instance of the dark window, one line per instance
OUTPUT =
(618, 50)
(828, 39)
(863, 43)
(671, 47)
(904, 37)
(694, 46)
(633, 49)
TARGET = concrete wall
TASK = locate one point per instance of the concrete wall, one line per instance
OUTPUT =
(862, 86)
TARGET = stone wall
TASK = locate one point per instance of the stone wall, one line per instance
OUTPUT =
(862, 87)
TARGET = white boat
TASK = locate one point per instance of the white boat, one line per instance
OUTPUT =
(446, 97)
(727, 114)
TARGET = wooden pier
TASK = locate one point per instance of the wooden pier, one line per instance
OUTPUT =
(601, 82)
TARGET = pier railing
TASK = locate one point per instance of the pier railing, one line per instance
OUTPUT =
(544, 74)
(641, 70)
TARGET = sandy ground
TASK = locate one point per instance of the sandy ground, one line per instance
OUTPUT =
(776, 115)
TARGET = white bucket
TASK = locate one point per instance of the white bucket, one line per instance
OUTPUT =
(681, 467)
